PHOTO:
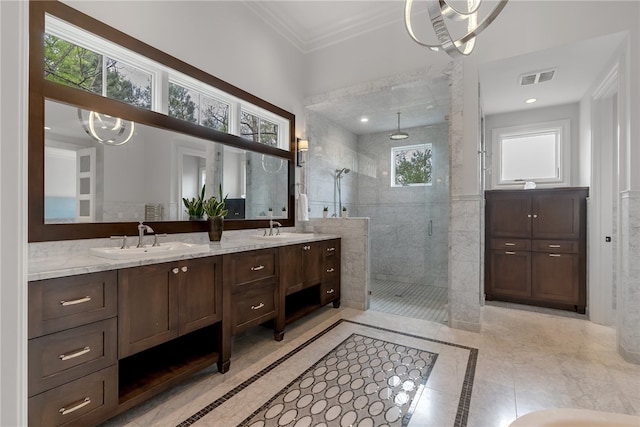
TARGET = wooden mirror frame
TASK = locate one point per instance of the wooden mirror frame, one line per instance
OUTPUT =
(41, 89)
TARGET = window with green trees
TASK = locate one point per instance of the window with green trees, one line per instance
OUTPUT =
(411, 165)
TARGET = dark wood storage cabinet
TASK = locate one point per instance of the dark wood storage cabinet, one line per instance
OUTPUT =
(536, 247)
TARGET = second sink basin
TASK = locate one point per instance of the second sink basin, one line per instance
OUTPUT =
(169, 248)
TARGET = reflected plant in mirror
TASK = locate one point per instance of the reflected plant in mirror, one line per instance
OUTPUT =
(195, 206)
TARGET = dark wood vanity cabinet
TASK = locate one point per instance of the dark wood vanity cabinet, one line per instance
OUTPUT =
(72, 349)
(310, 278)
(160, 302)
(536, 247)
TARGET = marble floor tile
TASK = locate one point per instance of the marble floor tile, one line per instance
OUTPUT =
(526, 361)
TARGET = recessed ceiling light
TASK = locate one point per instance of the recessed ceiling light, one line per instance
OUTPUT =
(530, 100)
(430, 107)
(364, 119)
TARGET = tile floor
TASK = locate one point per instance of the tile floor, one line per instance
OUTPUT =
(415, 300)
(526, 361)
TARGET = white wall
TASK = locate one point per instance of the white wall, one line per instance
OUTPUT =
(538, 115)
(13, 213)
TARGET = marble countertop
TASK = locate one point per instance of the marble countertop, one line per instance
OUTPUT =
(70, 264)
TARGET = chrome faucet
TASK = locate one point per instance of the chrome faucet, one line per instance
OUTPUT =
(277, 225)
(142, 228)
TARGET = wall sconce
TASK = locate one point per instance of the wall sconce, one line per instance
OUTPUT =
(302, 146)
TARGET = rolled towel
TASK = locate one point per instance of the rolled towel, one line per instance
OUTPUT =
(303, 207)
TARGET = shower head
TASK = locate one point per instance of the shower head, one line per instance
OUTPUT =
(343, 171)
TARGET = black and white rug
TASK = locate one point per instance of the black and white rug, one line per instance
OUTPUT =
(350, 374)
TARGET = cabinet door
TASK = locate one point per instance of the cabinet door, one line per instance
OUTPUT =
(557, 215)
(199, 293)
(301, 266)
(509, 214)
(555, 277)
(312, 257)
(147, 307)
(510, 274)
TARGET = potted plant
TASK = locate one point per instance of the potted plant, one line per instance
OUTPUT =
(195, 206)
(216, 211)
(284, 212)
(270, 212)
(325, 212)
(344, 212)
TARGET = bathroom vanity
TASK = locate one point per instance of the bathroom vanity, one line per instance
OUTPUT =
(106, 335)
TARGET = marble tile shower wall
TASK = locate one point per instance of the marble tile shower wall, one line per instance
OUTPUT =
(409, 225)
(331, 147)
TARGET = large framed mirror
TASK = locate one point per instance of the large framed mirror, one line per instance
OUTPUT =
(102, 159)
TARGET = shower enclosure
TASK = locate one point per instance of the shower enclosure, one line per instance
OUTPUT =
(408, 228)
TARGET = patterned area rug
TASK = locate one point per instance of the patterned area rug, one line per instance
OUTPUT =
(363, 380)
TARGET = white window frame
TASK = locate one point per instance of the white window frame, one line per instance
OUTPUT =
(423, 146)
(562, 130)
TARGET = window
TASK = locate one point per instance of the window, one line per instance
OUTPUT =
(196, 107)
(536, 152)
(259, 129)
(411, 165)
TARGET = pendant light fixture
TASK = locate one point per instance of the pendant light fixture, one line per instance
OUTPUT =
(398, 135)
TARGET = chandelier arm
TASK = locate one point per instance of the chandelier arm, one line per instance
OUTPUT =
(464, 45)
(438, 10)
(451, 12)
(409, 27)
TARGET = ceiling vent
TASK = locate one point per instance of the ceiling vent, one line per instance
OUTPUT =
(537, 77)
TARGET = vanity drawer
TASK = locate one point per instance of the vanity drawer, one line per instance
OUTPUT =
(251, 267)
(511, 244)
(67, 302)
(331, 268)
(65, 356)
(83, 402)
(332, 248)
(254, 307)
(329, 291)
(562, 246)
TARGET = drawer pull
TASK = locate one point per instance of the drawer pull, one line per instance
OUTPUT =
(184, 269)
(257, 307)
(258, 268)
(331, 270)
(529, 216)
(75, 301)
(555, 255)
(306, 247)
(509, 244)
(176, 270)
(554, 246)
(82, 404)
(331, 249)
(535, 216)
(76, 354)
(510, 253)
(330, 291)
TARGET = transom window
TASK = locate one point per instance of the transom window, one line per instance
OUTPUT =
(411, 165)
(537, 153)
(76, 58)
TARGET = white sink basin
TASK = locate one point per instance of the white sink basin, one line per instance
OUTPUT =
(165, 249)
(283, 236)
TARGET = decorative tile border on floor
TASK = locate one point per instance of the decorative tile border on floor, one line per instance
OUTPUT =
(463, 404)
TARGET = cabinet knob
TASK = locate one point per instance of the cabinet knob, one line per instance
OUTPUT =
(330, 291)
(535, 215)
(176, 270)
(81, 404)
(257, 307)
(184, 269)
(529, 216)
(306, 247)
(75, 354)
(331, 270)
(331, 249)
(260, 267)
